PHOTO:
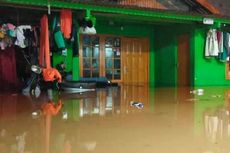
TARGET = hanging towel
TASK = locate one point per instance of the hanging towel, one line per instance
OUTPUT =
(227, 44)
(211, 47)
(44, 57)
(66, 22)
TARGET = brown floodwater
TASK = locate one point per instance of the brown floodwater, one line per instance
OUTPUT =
(166, 120)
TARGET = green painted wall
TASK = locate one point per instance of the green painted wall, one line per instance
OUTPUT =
(166, 53)
(208, 72)
(165, 58)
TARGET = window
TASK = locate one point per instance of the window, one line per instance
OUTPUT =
(101, 57)
(113, 58)
(91, 56)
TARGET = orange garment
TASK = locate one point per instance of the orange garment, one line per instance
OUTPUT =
(51, 109)
(51, 74)
(44, 56)
(66, 22)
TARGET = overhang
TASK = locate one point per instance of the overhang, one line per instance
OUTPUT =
(133, 12)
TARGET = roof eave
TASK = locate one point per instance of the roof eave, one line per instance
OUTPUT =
(151, 13)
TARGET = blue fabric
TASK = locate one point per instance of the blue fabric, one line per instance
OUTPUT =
(95, 79)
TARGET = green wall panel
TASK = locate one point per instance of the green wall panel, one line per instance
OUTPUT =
(58, 58)
(165, 59)
(76, 68)
(208, 72)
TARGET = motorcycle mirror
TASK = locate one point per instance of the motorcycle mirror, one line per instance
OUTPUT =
(36, 69)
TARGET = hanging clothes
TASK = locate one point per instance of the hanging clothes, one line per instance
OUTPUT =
(58, 39)
(211, 47)
(8, 74)
(223, 50)
(20, 41)
(227, 44)
(220, 41)
(44, 57)
(66, 22)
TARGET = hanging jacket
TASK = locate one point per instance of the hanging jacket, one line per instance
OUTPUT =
(220, 41)
(227, 43)
(66, 22)
(58, 37)
(211, 46)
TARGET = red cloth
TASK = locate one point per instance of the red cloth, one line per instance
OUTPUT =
(8, 74)
(44, 57)
(218, 34)
(66, 22)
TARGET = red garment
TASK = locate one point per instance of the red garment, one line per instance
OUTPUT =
(8, 74)
(218, 34)
(66, 22)
(44, 57)
(51, 74)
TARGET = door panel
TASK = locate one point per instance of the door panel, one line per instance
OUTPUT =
(125, 62)
(183, 61)
(135, 60)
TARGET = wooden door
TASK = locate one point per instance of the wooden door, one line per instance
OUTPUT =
(183, 61)
(135, 60)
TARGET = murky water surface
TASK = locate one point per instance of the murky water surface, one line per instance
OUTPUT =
(125, 119)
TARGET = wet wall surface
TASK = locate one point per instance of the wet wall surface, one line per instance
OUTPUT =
(117, 119)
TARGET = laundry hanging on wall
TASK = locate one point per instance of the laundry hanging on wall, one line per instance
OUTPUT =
(217, 45)
(11, 35)
(66, 22)
(7, 33)
(44, 58)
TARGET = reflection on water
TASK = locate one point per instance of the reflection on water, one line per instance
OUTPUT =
(172, 120)
(116, 100)
(217, 120)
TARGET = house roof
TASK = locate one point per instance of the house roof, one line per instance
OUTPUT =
(123, 10)
(222, 5)
(208, 6)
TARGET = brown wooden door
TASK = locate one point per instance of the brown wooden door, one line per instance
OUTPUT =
(183, 61)
(135, 60)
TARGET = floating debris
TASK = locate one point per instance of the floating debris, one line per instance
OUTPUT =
(138, 105)
(198, 92)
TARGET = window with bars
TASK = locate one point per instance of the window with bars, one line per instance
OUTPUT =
(113, 58)
(91, 56)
